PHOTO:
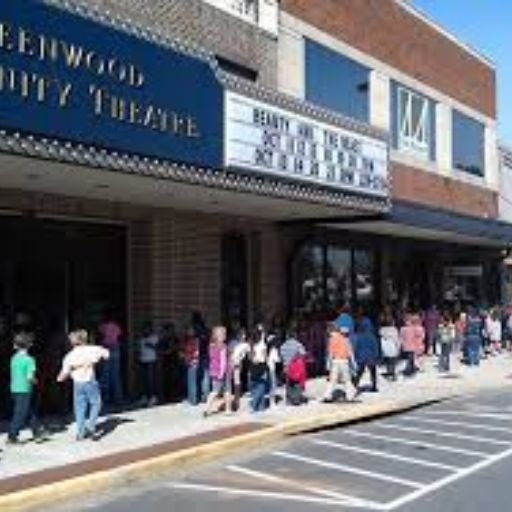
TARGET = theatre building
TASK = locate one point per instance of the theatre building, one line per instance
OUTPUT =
(241, 158)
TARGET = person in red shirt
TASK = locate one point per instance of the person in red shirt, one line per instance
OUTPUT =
(190, 351)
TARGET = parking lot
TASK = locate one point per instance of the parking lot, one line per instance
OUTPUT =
(376, 466)
(387, 464)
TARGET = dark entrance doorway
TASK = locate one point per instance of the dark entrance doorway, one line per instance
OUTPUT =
(234, 280)
(55, 276)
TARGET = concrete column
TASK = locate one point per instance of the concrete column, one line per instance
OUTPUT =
(444, 139)
(380, 100)
(269, 15)
(291, 64)
(492, 165)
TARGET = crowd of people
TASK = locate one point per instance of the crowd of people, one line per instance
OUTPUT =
(216, 366)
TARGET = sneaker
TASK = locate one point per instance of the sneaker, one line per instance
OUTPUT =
(12, 441)
(152, 401)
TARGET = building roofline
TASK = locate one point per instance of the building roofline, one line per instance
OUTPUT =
(423, 16)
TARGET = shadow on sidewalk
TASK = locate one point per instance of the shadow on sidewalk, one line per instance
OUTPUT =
(110, 424)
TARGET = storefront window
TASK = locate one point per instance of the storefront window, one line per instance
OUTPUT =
(463, 284)
(326, 276)
(338, 276)
(309, 279)
(363, 277)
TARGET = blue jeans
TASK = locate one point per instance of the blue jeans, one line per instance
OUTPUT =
(258, 392)
(148, 377)
(23, 413)
(86, 397)
(473, 346)
(192, 381)
(444, 357)
(111, 378)
(204, 381)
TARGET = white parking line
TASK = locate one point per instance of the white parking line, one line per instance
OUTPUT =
(349, 469)
(477, 426)
(387, 455)
(493, 416)
(399, 502)
(345, 498)
(257, 494)
(436, 446)
(453, 435)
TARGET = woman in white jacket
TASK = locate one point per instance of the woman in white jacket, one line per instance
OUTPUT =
(493, 330)
(390, 345)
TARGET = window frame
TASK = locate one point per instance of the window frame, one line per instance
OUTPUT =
(418, 141)
(457, 118)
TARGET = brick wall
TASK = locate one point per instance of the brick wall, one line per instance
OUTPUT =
(388, 32)
(443, 192)
(187, 263)
(204, 25)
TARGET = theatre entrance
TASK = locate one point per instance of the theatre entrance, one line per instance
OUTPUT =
(55, 276)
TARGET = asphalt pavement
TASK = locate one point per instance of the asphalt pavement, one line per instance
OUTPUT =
(450, 457)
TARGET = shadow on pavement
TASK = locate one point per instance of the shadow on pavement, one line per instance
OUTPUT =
(108, 426)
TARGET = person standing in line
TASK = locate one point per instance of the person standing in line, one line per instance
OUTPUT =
(432, 320)
(507, 328)
(419, 341)
(23, 379)
(460, 330)
(273, 361)
(366, 352)
(291, 347)
(258, 369)
(407, 340)
(296, 378)
(79, 365)
(445, 337)
(494, 331)
(170, 369)
(390, 344)
(190, 350)
(473, 337)
(148, 346)
(201, 332)
(238, 350)
(340, 356)
(5, 361)
(293, 356)
(110, 334)
(218, 358)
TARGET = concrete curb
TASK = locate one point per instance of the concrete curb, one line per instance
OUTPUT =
(189, 457)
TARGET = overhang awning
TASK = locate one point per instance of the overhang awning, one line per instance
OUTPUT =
(410, 220)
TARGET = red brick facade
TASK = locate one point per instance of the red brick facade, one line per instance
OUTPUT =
(388, 32)
(443, 192)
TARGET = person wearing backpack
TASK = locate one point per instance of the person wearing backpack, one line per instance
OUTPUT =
(445, 338)
(340, 357)
(296, 376)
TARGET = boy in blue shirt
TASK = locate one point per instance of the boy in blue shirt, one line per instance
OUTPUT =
(23, 378)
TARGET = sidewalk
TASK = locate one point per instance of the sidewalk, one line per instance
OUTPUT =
(171, 436)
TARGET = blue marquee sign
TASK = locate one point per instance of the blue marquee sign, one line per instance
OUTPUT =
(67, 77)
